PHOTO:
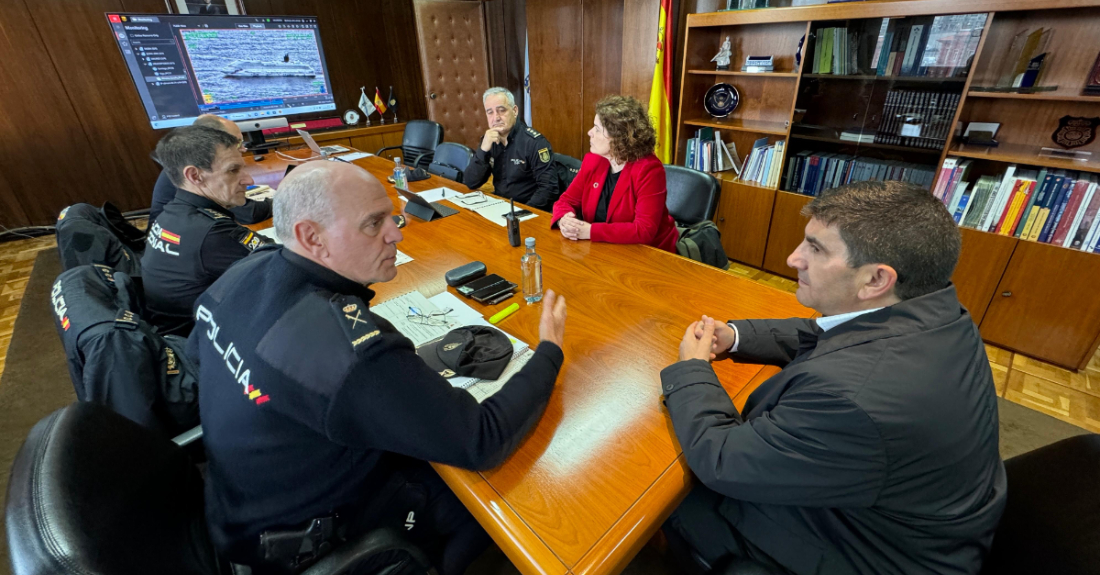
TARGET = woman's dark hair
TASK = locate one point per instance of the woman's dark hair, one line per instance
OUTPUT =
(627, 124)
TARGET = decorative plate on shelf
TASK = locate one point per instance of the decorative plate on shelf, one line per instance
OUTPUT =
(721, 100)
(351, 117)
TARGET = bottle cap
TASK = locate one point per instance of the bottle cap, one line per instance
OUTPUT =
(530, 242)
(397, 160)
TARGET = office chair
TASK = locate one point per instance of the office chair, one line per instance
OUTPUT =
(419, 143)
(1051, 522)
(567, 168)
(90, 235)
(117, 359)
(93, 493)
(692, 195)
(451, 160)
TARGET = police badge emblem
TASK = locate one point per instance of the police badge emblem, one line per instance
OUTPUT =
(544, 155)
(1075, 131)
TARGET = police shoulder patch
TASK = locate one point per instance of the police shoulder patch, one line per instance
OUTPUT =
(213, 214)
(251, 240)
(544, 155)
(355, 319)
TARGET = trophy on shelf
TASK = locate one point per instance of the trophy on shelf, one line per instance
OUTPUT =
(723, 56)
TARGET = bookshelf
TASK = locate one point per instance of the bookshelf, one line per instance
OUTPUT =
(807, 108)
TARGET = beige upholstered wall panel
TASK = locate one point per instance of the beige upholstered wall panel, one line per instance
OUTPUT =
(454, 60)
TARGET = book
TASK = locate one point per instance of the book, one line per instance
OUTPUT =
(1057, 207)
(1001, 197)
(1079, 213)
(1073, 204)
(1036, 205)
(882, 38)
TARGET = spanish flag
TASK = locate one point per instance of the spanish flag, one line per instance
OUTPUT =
(378, 103)
(659, 95)
(169, 237)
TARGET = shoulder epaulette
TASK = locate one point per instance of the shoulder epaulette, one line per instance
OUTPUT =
(355, 319)
(213, 214)
(533, 133)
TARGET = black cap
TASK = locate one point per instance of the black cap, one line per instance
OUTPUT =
(471, 351)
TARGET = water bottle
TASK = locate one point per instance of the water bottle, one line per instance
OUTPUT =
(532, 273)
(400, 175)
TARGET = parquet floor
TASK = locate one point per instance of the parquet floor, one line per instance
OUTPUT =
(1070, 396)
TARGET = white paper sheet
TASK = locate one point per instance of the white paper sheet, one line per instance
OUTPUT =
(402, 258)
(495, 213)
(259, 193)
(397, 311)
(485, 388)
(352, 156)
(436, 194)
(271, 234)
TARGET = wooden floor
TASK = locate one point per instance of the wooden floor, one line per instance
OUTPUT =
(1070, 396)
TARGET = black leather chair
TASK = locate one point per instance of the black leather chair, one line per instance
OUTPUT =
(567, 167)
(692, 195)
(451, 160)
(93, 493)
(418, 145)
(1051, 522)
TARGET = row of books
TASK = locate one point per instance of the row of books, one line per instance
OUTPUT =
(762, 166)
(1050, 206)
(935, 46)
(916, 118)
(834, 52)
(811, 172)
(707, 152)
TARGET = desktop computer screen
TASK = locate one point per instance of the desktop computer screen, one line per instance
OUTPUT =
(238, 67)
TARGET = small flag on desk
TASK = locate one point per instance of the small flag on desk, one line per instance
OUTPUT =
(364, 103)
(392, 103)
(378, 103)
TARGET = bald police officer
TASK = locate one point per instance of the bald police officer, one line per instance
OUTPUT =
(164, 190)
(519, 158)
(195, 239)
(313, 407)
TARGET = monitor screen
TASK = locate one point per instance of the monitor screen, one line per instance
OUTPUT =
(238, 67)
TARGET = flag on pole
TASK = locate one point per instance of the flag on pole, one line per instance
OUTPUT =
(659, 101)
(378, 103)
(392, 103)
(364, 103)
(526, 79)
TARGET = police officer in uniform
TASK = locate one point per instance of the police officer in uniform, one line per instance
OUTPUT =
(519, 158)
(315, 408)
(195, 239)
(164, 190)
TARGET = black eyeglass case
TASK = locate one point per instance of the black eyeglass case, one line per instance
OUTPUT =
(464, 274)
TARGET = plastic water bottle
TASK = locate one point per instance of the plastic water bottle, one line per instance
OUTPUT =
(400, 175)
(532, 273)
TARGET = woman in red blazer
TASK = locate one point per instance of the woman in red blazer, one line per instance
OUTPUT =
(619, 194)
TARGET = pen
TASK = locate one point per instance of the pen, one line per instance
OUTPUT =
(503, 314)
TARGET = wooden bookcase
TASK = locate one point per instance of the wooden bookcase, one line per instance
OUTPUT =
(1036, 299)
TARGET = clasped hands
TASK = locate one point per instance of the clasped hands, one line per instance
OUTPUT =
(574, 229)
(706, 339)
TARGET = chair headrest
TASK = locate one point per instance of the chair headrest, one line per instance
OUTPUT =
(92, 492)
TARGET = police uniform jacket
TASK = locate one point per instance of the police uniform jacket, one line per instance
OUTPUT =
(874, 450)
(252, 212)
(191, 244)
(304, 389)
(522, 170)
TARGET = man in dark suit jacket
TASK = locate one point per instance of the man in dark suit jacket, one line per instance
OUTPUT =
(252, 212)
(875, 449)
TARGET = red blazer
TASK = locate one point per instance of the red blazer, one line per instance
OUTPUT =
(636, 213)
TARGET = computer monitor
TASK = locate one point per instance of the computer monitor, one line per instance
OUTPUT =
(238, 67)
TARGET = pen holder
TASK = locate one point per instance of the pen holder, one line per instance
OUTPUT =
(513, 229)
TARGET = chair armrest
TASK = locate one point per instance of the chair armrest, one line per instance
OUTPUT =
(373, 543)
(379, 152)
(188, 437)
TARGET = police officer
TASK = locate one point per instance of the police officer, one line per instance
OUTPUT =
(251, 212)
(315, 408)
(195, 239)
(520, 159)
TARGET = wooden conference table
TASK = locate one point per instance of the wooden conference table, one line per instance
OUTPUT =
(602, 469)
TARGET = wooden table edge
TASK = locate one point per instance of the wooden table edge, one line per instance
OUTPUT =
(611, 554)
(524, 548)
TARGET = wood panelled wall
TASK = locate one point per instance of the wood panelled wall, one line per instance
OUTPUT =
(581, 51)
(72, 128)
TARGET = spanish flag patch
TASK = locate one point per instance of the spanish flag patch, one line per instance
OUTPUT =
(169, 237)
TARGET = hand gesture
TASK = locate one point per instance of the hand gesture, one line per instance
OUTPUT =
(492, 136)
(698, 346)
(552, 322)
(724, 336)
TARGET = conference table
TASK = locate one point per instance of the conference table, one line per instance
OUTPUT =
(602, 469)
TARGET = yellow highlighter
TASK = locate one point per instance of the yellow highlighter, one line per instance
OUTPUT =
(504, 313)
